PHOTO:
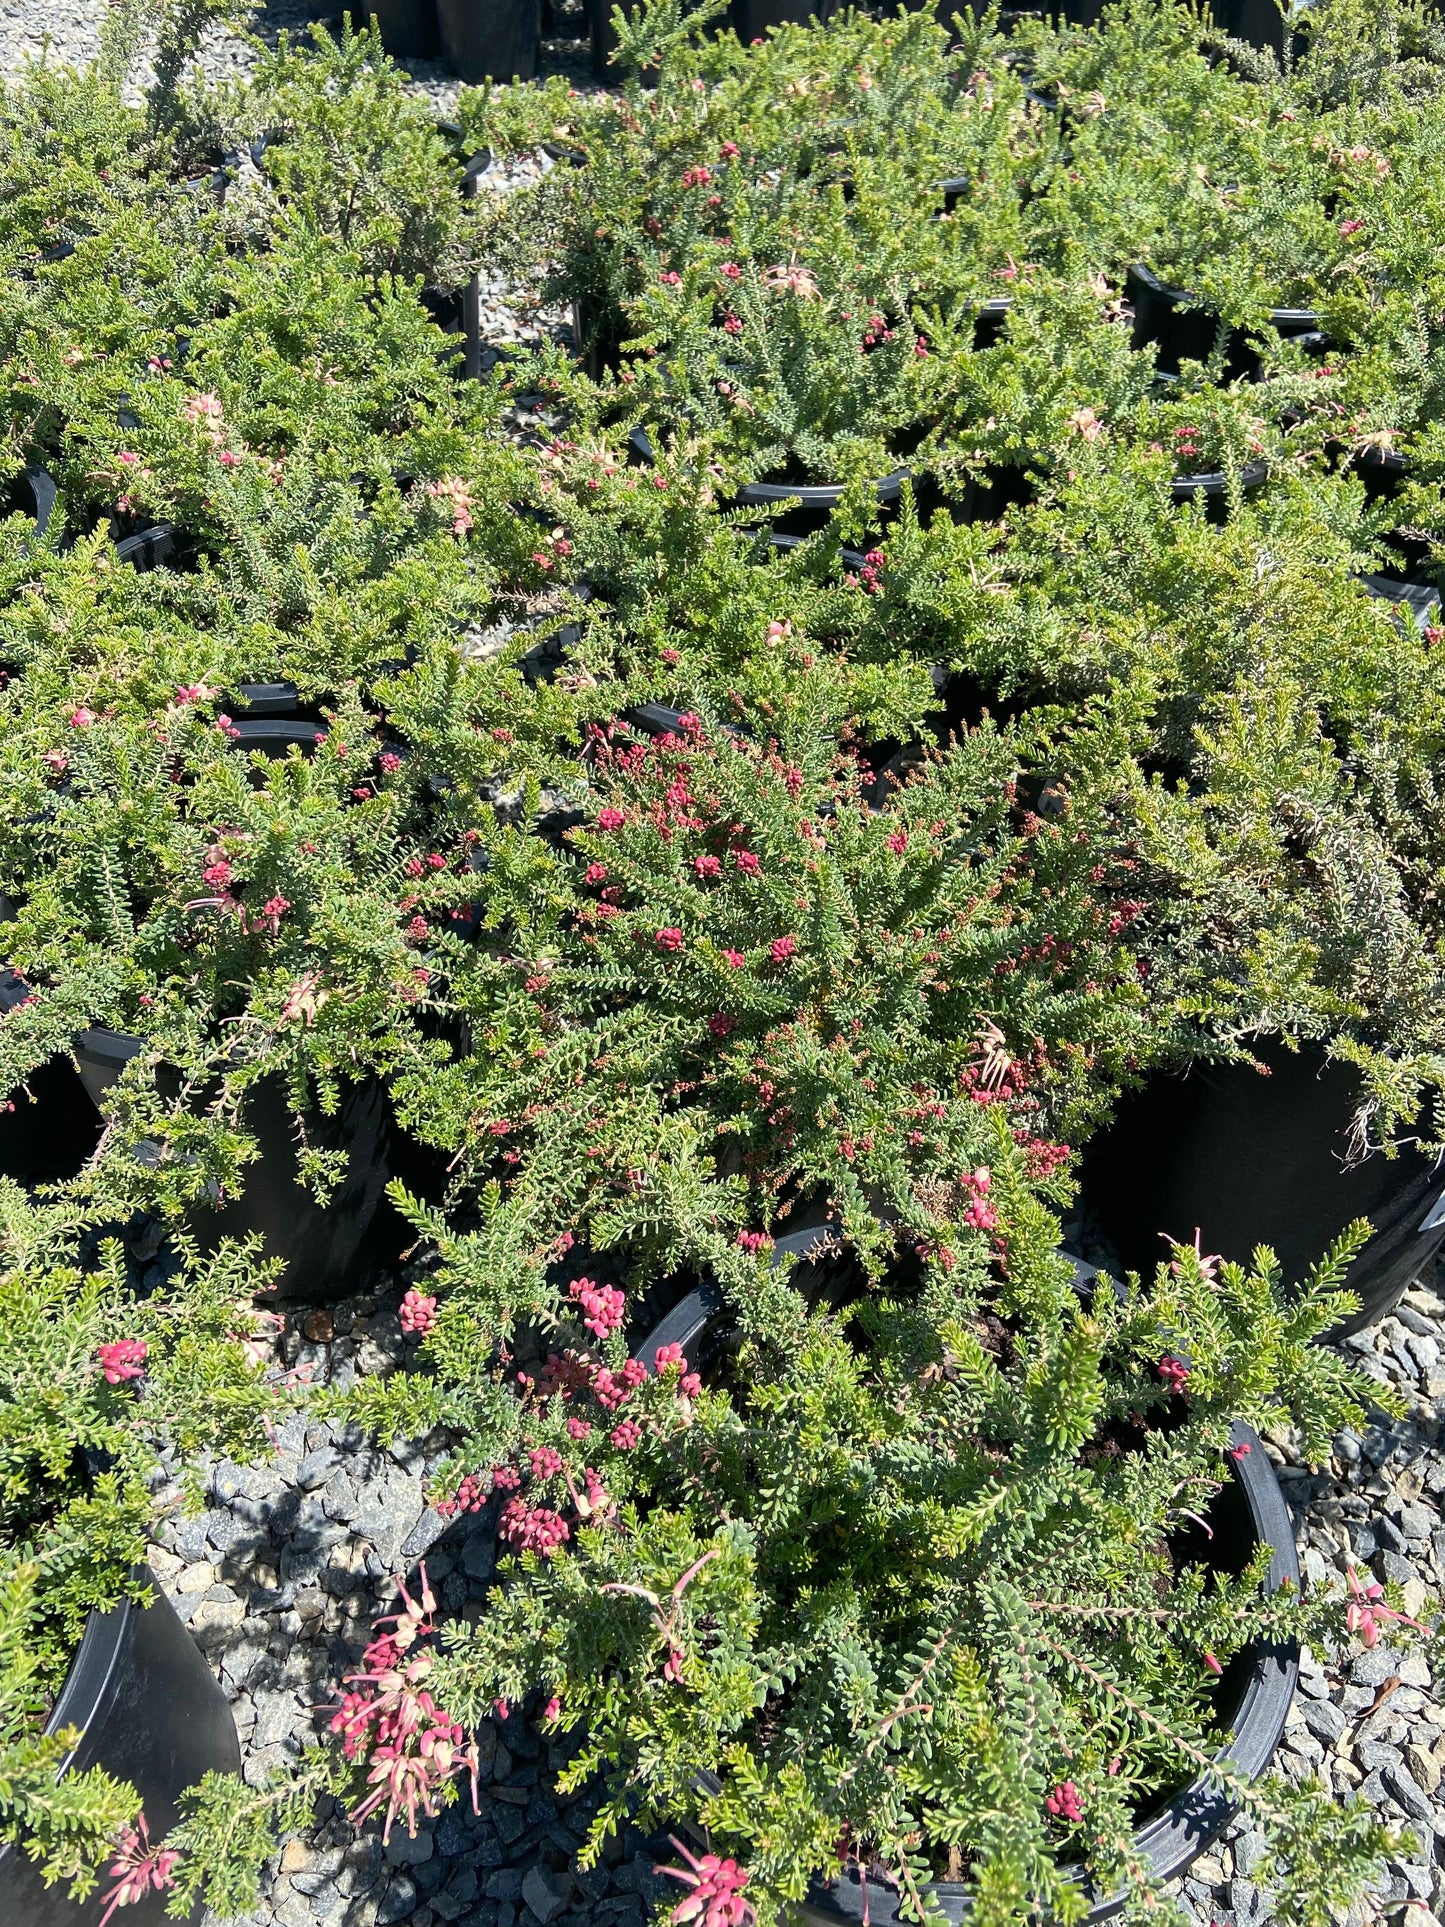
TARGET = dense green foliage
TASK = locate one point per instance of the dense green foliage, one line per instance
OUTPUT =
(681, 876)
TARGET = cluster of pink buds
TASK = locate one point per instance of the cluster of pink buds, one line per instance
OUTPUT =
(564, 1375)
(122, 1359)
(980, 1213)
(390, 1720)
(470, 1496)
(455, 500)
(1064, 1803)
(533, 1528)
(716, 1890)
(138, 1869)
(418, 1313)
(612, 1388)
(1173, 1373)
(603, 1305)
(689, 1383)
(754, 1241)
(870, 575)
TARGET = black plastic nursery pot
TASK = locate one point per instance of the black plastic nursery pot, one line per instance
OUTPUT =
(50, 1128)
(490, 39)
(1254, 1693)
(33, 493)
(1213, 488)
(800, 508)
(407, 27)
(1180, 328)
(321, 1245)
(751, 19)
(150, 1712)
(56, 1125)
(1247, 1160)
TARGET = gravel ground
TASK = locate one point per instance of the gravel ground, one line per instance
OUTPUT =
(280, 1579)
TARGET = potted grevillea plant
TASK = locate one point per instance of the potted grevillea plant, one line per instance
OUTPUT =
(770, 989)
(953, 1587)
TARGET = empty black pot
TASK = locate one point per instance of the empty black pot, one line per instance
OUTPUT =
(490, 39)
(150, 1712)
(1250, 1160)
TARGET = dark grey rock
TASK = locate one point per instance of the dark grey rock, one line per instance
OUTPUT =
(423, 1536)
(479, 1553)
(398, 1902)
(462, 1887)
(191, 1538)
(544, 1895)
(1398, 1779)
(404, 1851)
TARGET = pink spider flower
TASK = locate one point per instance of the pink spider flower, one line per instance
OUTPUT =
(1368, 1615)
(1174, 1373)
(455, 500)
(138, 1869)
(532, 1528)
(716, 1887)
(604, 1306)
